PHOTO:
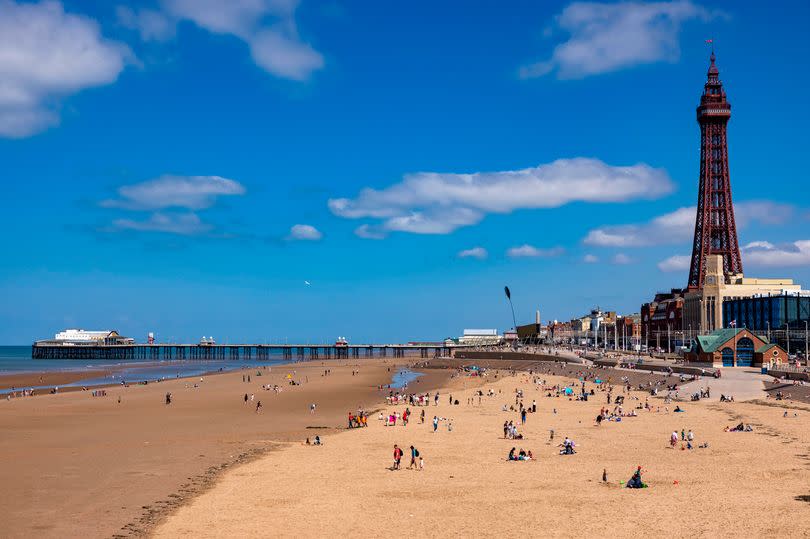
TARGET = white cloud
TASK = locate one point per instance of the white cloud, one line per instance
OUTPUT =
(590, 259)
(763, 253)
(369, 232)
(529, 251)
(765, 212)
(46, 55)
(151, 24)
(167, 191)
(679, 226)
(284, 55)
(187, 224)
(608, 37)
(439, 203)
(673, 227)
(267, 27)
(675, 263)
(476, 252)
(305, 232)
(621, 259)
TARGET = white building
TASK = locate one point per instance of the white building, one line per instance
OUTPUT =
(81, 335)
(480, 337)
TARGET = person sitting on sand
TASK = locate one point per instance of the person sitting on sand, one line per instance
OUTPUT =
(317, 440)
(635, 481)
(512, 454)
(567, 447)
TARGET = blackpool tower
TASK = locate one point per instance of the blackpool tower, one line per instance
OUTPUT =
(715, 231)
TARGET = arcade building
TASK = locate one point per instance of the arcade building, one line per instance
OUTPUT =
(734, 347)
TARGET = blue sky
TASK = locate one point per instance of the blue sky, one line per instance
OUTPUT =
(184, 166)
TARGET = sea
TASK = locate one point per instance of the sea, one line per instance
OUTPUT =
(18, 360)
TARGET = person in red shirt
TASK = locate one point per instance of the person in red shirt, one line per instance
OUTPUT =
(397, 456)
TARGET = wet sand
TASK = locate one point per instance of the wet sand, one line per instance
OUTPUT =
(745, 484)
(76, 465)
(48, 379)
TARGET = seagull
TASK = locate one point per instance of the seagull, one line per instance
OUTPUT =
(307, 283)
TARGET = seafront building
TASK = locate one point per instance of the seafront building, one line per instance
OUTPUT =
(780, 317)
(81, 337)
(704, 307)
(734, 347)
(476, 337)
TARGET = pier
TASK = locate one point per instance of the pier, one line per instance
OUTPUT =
(174, 352)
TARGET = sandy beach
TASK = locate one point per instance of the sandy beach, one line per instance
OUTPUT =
(744, 484)
(76, 465)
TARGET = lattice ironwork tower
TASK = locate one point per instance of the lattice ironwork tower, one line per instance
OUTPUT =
(715, 230)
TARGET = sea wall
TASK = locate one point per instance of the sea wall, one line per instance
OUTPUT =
(513, 356)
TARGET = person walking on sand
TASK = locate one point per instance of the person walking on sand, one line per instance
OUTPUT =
(168, 398)
(523, 416)
(673, 439)
(435, 423)
(258, 406)
(397, 457)
(422, 418)
(414, 455)
(436, 399)
(246, 398)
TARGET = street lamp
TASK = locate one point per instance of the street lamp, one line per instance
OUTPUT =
(509, 297)
(669, 340)
(787, 338)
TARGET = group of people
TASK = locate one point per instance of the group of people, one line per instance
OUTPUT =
(510, 431)
(686, 436)
(358, 420)
(520, 455)
(414, 464)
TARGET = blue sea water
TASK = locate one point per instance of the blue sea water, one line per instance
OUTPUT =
(17, 360)
(403, 378)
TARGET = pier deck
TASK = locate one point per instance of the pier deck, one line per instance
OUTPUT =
(163, 352)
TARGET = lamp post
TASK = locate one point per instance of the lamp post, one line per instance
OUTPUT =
(514, 321)
(768, 330)
(669, 339)
(787, 338)
(805, 341)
